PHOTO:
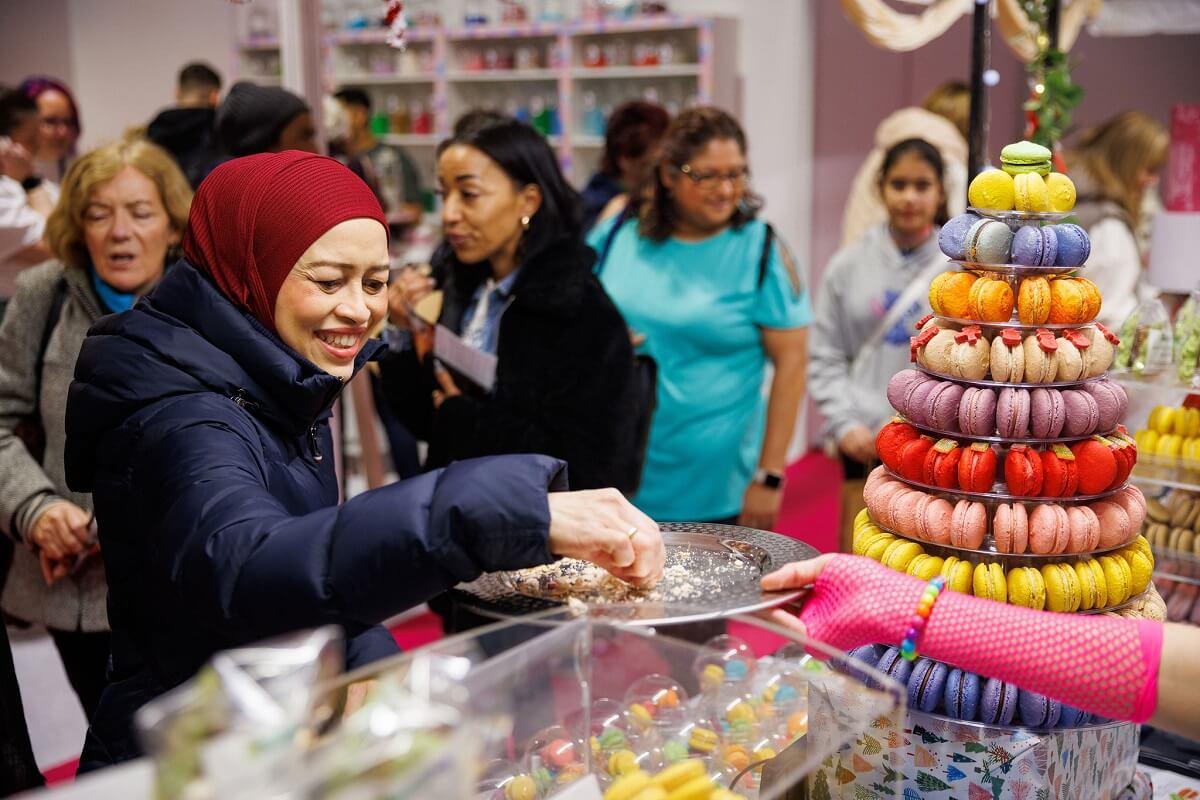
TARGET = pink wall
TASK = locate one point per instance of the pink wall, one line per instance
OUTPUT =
(857, 85)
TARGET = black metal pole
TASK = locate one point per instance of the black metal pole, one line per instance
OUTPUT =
(1053, 10)
(980, 56)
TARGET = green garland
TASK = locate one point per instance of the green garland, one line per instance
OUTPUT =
(1055, 96)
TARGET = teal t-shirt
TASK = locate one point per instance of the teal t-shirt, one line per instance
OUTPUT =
(700, 307)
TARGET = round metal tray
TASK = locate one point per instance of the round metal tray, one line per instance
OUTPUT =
(970, 437)
(1021, 216)
(1018, 270)
(492, 594)
(1008, 384)
(1015, 324)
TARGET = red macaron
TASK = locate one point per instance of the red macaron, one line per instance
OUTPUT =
(912, 457)
(1095, 464)
(1126, 456)
(941, 464)
(890, 439)
(1023, 471)
(1060, 475)
(977, 468)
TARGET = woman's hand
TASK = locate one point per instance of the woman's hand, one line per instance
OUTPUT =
(411, 284)
(760, 507)
(795, 575)
(601, 526)
(858, 443)
(62, 530)
(448, 387)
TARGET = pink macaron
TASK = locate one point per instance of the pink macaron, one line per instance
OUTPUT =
(1134, 502)
(1049, 529)
(1111, 402)
(1115, 525)
(968, 524)
(1010, 528)
(1082, 413)
(905, 513)
(883, 502)
(1047, 413)
(876, 476)
(1085, 529)
(977, 411)
(934, 524)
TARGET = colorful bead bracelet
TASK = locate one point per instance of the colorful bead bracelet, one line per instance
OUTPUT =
(908, 647)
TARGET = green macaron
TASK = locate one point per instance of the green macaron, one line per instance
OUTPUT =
(1023, 156)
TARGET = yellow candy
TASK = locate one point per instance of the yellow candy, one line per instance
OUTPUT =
(677, 775)
(712, 675)
(741, 712)
(641, 713)
(521, 787)
(764, 754)
(626, 786)
(622, 762)
(652, 793)
(702, 740)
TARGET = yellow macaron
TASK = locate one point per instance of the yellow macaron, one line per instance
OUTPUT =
(1141, 570)
(1091, 585)
(1061, 190)
(679, 774)
(865, 537)
(861, 518)
(925, 567)
(900, 553)
(989, 583)
(1026, 588)
(992, 189)
(1118, 578)
(1029, 192)
(627, 786)
(958, 574)
(1062, 588)
(878, 546)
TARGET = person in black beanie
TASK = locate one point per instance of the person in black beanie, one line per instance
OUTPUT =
(264, 119)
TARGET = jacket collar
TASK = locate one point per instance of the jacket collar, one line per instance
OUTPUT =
(239, 357)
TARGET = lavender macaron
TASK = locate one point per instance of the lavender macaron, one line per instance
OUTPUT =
(1047, 413)
(997, 702)
(961, 695)
(953, 236)
(942, 406)
(1074, 247)
(867, 654)
(895, 666)
(1012, 413)
(1034, 246)
(917, 403)
(899, 385)
(926, 684)
(1037, 710)
(977, 411)
(1083, 413)
(1071, 717)
(1111, 401)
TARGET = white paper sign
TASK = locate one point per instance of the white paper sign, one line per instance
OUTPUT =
(476, 365)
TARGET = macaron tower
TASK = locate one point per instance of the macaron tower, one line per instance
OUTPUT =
(1006, 468)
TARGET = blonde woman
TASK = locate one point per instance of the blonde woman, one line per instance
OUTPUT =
(1113, 165)
(122, 211)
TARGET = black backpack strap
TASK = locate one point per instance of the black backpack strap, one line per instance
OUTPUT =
(52, 317)
(764, 259)
(602, 256)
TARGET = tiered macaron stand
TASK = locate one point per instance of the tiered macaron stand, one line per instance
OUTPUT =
(966, 736)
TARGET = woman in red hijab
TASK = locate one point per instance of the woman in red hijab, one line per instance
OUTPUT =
(199, 422)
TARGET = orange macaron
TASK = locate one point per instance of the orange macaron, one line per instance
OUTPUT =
(1033, 301)
(990, 300)
(948, 294)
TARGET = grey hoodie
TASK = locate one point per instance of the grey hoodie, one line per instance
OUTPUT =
(859, 286)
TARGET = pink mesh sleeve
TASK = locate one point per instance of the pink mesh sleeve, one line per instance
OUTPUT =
(1103, 665)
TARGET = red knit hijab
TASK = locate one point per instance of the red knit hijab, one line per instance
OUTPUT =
(253, 217)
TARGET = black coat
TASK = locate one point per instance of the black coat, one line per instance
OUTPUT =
(189, 135)
(566, 382)
(205, 443)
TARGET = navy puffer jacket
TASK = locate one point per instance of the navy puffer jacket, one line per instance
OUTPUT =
(205, 443)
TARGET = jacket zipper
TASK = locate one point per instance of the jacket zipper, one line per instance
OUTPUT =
(315, 444)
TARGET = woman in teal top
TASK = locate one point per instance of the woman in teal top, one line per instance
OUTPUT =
(712, 296)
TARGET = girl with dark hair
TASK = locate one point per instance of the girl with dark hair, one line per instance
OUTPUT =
(60, 126)
(716, 296)
(517, 284)
(871, 294)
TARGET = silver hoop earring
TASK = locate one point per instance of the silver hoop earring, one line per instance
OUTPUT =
(525, 222)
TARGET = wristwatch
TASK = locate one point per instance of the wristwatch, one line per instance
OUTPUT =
(31, 183)
(768, 478)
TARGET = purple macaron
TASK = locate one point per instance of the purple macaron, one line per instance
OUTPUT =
(1012, 413)
(1034, 246)
(997, 702)
(1111, 400)
(926, 684)
(1047, 413)
(942, 406)
(977, 411)
(1083, 413)
(900, 383)
(961, 695)
(895, 666)
(867, 654)
(1037, 710)
(1074, 247)
(917, 403)
(953, 236)
(1071, 717)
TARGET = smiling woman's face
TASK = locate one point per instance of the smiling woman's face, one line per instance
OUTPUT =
(335, 295)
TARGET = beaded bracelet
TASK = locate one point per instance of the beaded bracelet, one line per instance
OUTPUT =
(908, 647)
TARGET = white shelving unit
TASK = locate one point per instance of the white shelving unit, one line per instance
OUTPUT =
(579, 70)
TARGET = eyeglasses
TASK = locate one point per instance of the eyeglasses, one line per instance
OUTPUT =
(58, 122)
(711, 180)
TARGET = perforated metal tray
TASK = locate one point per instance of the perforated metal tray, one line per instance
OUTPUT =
(706, 547)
